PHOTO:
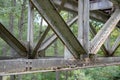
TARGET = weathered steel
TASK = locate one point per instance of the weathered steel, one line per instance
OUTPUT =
(103, 4)
(11, 65)
(83, 23)
(22, 66)
(12, 41)
(30, 24)
(96, 15)
(35, 51)
(72, 6)
(103, 48)
(100, 16)
(80, 20)
(107, 44)
(59, 26)
(115, 45)
(103, 34)
(61, 5)
(53, 37)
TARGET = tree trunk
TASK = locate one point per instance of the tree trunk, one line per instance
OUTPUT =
(55, 48)
(41, 24)
(4, 49)
(21, 20)
(56, 54)
(11, 28)
(66, 75)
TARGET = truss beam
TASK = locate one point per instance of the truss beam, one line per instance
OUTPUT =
(12, 41)
(52, 38)
(105, 4)
(103, 34)
(103, 48)
(35, 51)
(23, 66)
(115, 45)
(96, 15)
(59, 26)
(83, 23)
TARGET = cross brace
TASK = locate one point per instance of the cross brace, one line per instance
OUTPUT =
(106, 4)
(59, 26)
(12, 41)
(105, 31)
(52, 38)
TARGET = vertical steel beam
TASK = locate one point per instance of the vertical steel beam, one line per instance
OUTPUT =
(83, 29)
(83, 23)
(86, 25)
(30, 28)
(30, 24)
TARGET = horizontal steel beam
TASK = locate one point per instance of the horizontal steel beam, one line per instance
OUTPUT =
(96, 15)
(59, 26)
(23, 66)
(100, 16)
(106, 4)
(103, 4)
(12, 41)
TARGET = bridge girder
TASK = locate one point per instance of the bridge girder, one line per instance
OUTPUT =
(62, 31)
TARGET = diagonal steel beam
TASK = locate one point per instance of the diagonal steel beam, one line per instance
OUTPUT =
(96, 15)
(103, 34)
(100, 16)
(52, 38)
(59, 26)
(103, 48)
(12, 41)
(115, 45)
(62, 5)
(34, 53)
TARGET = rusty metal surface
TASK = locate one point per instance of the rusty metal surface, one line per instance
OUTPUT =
(10, 66)
(23, 66)
(59, 26)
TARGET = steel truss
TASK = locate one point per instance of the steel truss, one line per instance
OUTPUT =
(82, 49)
